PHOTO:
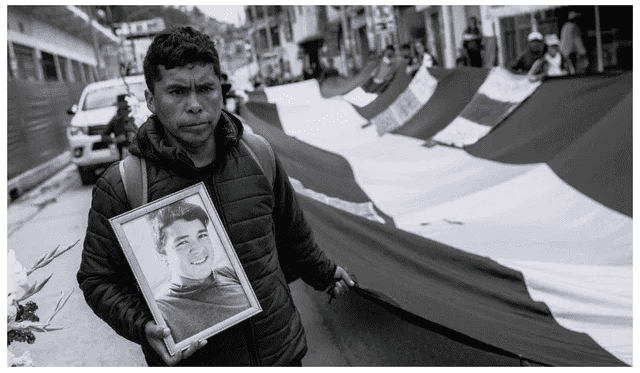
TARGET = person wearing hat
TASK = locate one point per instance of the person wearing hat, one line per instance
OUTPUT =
(534, 51)
(553, 63)
(121, 126)
(571, 44)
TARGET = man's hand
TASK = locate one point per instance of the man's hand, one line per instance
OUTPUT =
(343, 282)
(155, 334)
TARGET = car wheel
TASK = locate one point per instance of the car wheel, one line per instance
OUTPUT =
(87, 175)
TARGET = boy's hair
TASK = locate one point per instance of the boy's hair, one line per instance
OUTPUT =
(162, 218)
(178, 47)
(405, 46)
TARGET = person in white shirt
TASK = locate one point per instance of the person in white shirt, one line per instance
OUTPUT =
(552, 63)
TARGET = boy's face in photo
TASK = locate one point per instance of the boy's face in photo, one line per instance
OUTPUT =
(189, 250)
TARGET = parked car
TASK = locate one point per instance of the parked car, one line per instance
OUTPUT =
(96, 107)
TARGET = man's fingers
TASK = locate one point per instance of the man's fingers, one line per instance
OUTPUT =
(193, 348)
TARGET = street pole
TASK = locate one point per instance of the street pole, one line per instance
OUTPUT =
(94, 37)
(599, 40)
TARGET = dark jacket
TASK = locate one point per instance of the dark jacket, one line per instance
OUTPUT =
(258, 219)
(525, 60)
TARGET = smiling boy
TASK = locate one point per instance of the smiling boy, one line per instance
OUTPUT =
(197, 296)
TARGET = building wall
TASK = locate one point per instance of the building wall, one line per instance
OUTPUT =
(44, 37)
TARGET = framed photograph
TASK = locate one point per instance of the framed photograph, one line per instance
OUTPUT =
(186, 266)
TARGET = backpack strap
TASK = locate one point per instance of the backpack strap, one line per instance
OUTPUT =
(262, 152)
(133, 171)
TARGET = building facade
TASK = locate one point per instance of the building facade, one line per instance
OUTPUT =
(53, 52)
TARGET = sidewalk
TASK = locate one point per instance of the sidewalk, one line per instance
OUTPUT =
(28, 180)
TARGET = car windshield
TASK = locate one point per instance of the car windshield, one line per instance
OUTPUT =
(107, 96)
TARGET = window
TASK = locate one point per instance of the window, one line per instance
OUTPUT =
(88, 73)
(275, 36)
(262, 39)
(77, 71)
(26, 62)
(9, 71)
(63, 62)
(105, 97)
(49, 66)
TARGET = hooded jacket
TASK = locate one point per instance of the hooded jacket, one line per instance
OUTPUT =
(265, 225)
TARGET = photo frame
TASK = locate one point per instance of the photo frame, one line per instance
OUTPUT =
(186, 266)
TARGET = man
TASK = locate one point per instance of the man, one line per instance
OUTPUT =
(196, 297)
(571, 44)
(553, 63)
(472, 43)
(121, 126)
(188, 140)
(382, 74)
(535, 50)
(421, 58)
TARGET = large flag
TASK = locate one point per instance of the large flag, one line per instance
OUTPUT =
(520, 244)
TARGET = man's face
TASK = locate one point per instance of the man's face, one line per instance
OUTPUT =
(189, 249)
(535, 45)
(188, 103)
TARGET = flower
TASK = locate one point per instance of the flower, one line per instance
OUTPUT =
(17, 281)
(21, 361)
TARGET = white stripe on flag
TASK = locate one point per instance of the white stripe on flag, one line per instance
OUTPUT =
(363, 209)
(305, 92)
(407, 104)
(461, 132)
(502, 85)
(359, 97)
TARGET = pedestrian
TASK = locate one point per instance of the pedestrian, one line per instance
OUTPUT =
(571, 44)
(421, 58)
(188, 140)
(472, 44)
(121, 126)
(534, 51)
(382, 74)
(553, 63)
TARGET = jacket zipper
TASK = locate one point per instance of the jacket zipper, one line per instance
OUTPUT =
(248, 328)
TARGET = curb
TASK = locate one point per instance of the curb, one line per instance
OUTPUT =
(30, 179)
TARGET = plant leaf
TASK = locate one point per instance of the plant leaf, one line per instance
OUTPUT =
(48, 258)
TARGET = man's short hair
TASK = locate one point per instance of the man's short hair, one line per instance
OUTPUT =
(390, 47)
(178, 47)
(405, 46)
(165, 216)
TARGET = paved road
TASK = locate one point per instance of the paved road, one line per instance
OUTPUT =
(56, 214)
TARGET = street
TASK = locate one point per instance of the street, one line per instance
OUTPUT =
(55, 214)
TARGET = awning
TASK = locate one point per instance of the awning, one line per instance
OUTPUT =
(311, 38)
(500, 11)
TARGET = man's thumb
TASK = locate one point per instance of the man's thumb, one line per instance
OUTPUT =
(155, 331)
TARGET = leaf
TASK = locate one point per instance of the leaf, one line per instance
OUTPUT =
(61, 303)
(35, 288)
(48, 258)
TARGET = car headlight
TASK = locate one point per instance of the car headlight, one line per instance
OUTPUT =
(77, 131)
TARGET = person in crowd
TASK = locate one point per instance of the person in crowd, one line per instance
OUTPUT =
(552, 63)
(197, 296)
(329, 71)
(462, 59)
(534, 51)
(472, 44)
(406, 53)
(121, 126)
(188, 140)
(571, 44)
(383, 73)
(421, 58)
